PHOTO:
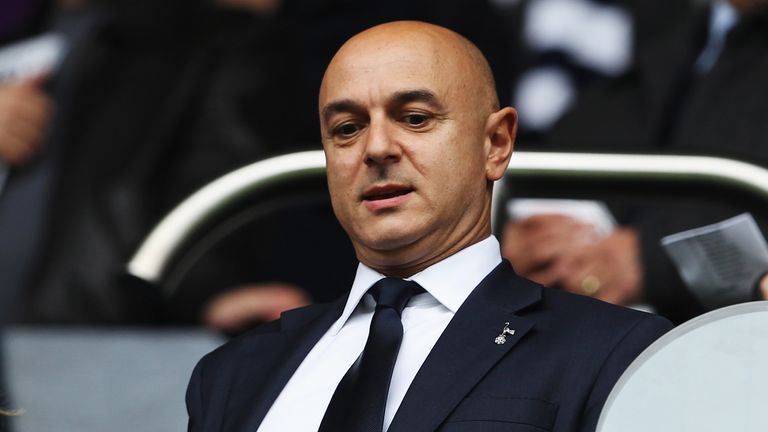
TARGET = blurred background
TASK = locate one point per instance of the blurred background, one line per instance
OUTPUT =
(112, 112)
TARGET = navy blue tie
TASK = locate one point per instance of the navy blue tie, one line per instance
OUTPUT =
(360, 398)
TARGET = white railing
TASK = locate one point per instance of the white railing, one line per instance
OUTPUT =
(163, 243)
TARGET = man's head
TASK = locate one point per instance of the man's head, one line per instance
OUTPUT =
(413, 138)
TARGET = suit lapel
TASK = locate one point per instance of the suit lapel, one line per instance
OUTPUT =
(284, 350)
(466, 351)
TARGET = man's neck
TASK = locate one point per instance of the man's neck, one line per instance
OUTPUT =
(408, 269)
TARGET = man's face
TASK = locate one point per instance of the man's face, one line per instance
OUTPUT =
(404, 141)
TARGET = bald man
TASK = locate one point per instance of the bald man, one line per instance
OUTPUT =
(437, 332)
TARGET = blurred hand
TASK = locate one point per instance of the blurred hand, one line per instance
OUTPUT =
(25, 111)
(538, 246)
(561, 252)
(610, 270)
(243, 306)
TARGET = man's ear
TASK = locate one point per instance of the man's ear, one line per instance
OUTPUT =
(501, 129)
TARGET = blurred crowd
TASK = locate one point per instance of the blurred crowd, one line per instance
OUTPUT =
(113, 111)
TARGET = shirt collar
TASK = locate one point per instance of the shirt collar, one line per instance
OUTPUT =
(449, 281)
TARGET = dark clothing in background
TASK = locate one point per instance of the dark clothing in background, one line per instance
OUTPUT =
(266, 247)
(647, 27)
(663, 106)
(23, 18)
(25, 200)
(152, 113)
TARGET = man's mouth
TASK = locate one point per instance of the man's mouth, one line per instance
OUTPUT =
(383, 197)
(377, 193)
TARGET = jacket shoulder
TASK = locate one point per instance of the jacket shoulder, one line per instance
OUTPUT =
(572, 309)
(256, 338)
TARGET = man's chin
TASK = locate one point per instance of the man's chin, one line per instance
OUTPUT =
(394, 256)
(390, 241)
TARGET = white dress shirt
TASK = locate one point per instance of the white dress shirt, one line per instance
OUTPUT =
(302, 403)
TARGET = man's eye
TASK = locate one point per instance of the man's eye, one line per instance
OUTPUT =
(416, 119)
(347, 129)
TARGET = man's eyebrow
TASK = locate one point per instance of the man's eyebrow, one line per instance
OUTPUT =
(398, 98)
(417, 95)
(340, 106)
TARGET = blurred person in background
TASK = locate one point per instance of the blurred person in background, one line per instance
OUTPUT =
(700, 89)
(151, 101)
(564, 48)
(25, 110)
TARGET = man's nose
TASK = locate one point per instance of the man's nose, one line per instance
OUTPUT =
(381, 146)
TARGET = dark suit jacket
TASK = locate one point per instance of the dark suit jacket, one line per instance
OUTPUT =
(553, 374)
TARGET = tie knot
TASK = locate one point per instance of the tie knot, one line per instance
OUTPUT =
(394, 293)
